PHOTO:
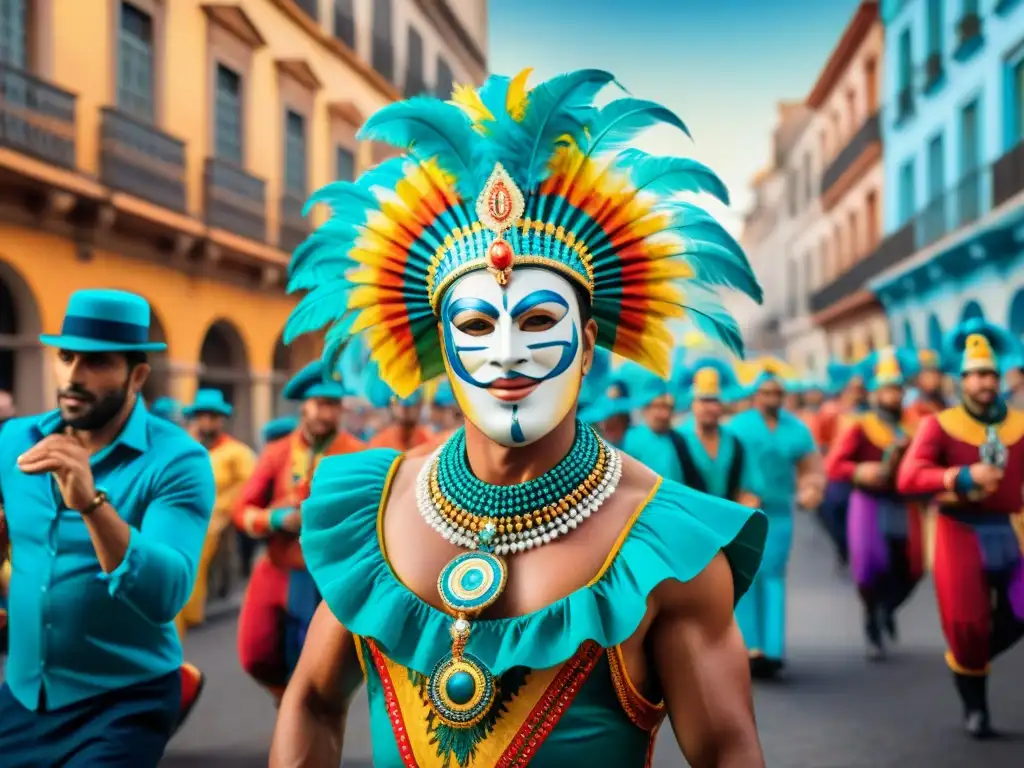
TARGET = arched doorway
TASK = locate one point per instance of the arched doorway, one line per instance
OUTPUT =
(224, 365)
(971, 311)
(279, 376)
(159, 382)
(1015, 321)
(934, 334)
(21, 355)
(908, 334)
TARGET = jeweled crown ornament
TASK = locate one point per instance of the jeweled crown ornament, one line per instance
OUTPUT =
(499, 206)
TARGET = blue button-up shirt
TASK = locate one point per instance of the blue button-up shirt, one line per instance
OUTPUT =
(76, 631)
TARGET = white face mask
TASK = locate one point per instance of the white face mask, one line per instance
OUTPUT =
(514, 353)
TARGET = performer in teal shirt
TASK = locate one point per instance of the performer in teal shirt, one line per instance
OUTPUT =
(712, 457)
(791, 474)
(107, 508)
(489, 632)
(653, 439)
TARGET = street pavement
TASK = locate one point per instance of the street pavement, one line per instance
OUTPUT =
(832, 710)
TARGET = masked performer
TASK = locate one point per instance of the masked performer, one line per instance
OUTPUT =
(281, 597)
(971, 458)
(405, 431)
(884, 528)
(790, 474)
(712, 458)
(512, 239)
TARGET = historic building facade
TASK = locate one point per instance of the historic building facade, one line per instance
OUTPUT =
(168, 148)
(848, 121)
(954, 158)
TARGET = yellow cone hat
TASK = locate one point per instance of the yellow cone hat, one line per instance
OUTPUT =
(707, 384)
(978, 355)
(887, 369)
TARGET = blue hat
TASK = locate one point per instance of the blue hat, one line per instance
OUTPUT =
(312, 381)
(166, 408)
(708, 378)
(380, 394)
(977, 344)
(840, 375)
(275, 429)
(100, 320)
(208, 401)
(605, 408)
(444, 397)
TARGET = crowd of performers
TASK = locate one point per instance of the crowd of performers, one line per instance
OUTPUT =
(498, 372)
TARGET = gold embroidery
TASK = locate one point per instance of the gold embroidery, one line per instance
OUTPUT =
(960, 425)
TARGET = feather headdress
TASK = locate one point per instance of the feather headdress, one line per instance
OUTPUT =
(1004, 349)
(509, 176)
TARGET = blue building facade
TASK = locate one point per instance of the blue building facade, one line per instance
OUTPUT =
(954, 166)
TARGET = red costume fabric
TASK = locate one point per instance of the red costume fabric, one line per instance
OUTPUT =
(400, 439)
(975, 629)
(281, 480)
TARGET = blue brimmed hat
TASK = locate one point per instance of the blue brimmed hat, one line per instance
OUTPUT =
(315, 381)
(208, 401)
(166, 408)
(101, 320)
(277, 428)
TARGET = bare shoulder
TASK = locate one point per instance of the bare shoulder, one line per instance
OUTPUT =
(404, 481)
(637, 480)
(707, 597)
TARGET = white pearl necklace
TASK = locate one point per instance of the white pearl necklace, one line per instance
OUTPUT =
(520, 541)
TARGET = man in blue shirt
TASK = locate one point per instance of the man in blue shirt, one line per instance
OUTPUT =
(107, 509)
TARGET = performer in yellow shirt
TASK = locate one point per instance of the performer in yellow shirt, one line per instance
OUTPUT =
(233, 461)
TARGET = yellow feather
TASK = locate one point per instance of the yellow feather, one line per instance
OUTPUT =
(469, 101)
(518, 97)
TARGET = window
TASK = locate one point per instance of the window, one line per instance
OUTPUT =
(415, 83)
(969, 187)
(344, 164)
(792, 288)
(808, 190)
(871, 215)
(871, 84)
(383, 53)
(851, 110)
(791, 192)
(935, 27)
(936, 168)
(838, 256)
(228, 115)
(907, 193)
(14, 33)
(135, 75)
(1015, 103)
(295, 153)
(445, 81)
(904, 84)
(854, 224)
(345, 22)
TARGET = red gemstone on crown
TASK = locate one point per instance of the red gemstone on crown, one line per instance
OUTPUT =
(500, 255)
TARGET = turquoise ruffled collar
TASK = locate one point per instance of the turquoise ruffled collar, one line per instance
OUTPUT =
(674, 536)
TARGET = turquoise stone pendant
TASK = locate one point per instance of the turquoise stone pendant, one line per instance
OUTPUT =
(460, 690)
(471, 582)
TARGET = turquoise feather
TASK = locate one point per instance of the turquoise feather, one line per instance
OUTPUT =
(620, 122)
(671, 175)
(429, 130)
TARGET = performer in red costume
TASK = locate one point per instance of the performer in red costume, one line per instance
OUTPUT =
(971, 458)
(883, 528)
(281, 597)
(928, 398)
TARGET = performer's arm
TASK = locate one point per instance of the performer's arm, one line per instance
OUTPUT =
(311, 720)
(251, 515)
(921, 473)
(704, 670)
(747, 494)
(810, 472)
(841, 462)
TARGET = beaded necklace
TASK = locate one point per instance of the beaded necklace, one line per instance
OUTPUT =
(492, 521)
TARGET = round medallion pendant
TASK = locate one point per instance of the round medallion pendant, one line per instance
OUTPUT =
(460, 691)
(471, 582)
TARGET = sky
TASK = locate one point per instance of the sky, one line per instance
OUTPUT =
(720, 65)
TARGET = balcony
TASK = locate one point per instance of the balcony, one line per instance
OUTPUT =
(293, 225)
(869, 133)
(383, 57)
(1008, 175)
(892, 250)
(235, 201)
(36, 118)
(140, 160)
(968, 35)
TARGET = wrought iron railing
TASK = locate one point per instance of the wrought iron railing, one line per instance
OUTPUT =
(36, 118)
(235, 200)
(138, 159)
(869, 133)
